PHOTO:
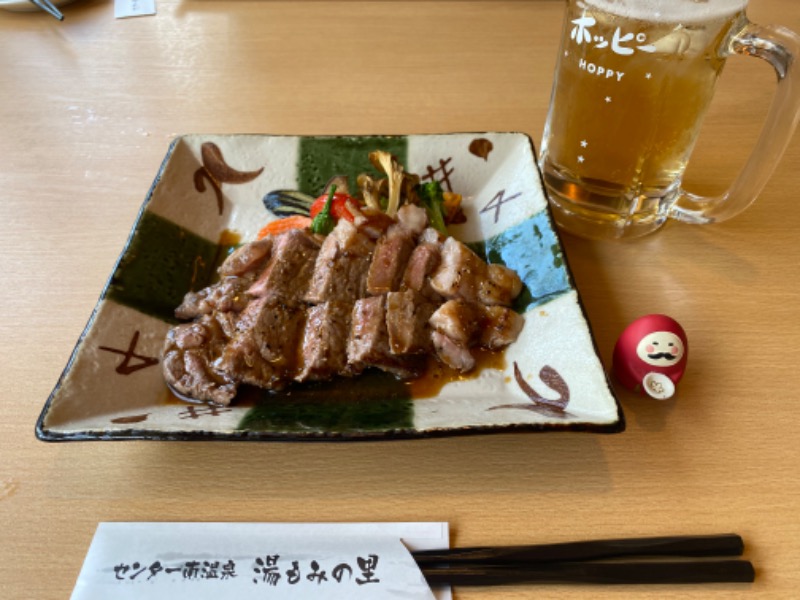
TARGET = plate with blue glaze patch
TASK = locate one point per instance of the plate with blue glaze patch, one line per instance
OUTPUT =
(207, 199)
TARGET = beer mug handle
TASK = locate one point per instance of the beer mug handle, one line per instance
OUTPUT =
(781, 48)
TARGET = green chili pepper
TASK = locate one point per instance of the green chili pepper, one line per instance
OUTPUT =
(324, 222)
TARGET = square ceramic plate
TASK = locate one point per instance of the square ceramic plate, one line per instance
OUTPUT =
(208, 196)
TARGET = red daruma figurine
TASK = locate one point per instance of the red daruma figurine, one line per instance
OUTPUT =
(650, 356)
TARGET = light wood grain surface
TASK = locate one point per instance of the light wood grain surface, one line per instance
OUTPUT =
(87, 110)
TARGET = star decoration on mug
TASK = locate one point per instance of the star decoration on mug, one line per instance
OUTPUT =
(581, 158)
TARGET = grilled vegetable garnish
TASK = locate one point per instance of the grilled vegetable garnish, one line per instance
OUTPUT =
(280, 225)
(433, 201)
(401, 183)
(324, 222)
(339, 205)
(383, 196)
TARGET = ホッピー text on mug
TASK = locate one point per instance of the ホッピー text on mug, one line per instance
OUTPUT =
(633, 81)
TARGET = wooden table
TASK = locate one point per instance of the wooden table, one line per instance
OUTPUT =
(87, 110)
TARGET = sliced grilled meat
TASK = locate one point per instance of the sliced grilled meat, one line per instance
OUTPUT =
(500, 326)
(340, 271)
(407, 315)
(247, 258)
(287, 275)
(368, 344)
(189, 353)
(462, 274)
(264, 350)
(459, 325)
(324, 346)
(389, 261)
(454, 355)
(228, 294)
(297, 307)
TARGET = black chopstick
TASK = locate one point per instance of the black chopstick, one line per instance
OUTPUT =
(666, 560)
(610, 573)
(727, 544)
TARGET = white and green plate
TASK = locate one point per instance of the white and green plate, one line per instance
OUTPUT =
(208, 195)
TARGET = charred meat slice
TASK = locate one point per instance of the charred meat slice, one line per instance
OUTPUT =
(423, 261)
(340, 271)
(189, 353)
(242, 359)
(500, 286)
(368, 341)
(462, 274)
(274, 327)
(288, 273)
(324, 346)
(247, 258)
(459, 326)
(368, 344)
(407, 315)
(468, 325)
(394, 249)
(278, 336)
(458, 320)
(453, 354)
(263, 351)
(500, 326)
(458, 272)
(389, 262)
(228, 294)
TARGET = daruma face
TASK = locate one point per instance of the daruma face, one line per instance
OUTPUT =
(650, 356)
(660, 349)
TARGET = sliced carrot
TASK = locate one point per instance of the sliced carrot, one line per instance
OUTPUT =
(285, 224)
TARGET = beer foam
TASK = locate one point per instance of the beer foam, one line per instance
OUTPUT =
(668, 11)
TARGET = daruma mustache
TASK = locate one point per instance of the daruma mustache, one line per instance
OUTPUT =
(658, 355)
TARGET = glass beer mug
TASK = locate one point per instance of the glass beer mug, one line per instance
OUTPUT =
(633, 81)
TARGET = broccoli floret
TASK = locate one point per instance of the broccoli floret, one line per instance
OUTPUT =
(432, 198)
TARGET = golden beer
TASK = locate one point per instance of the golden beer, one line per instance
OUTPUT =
(633, 82)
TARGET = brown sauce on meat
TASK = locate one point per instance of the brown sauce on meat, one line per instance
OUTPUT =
(428, 385)
(438, 374)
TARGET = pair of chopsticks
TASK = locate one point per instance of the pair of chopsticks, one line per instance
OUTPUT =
(652, 560)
